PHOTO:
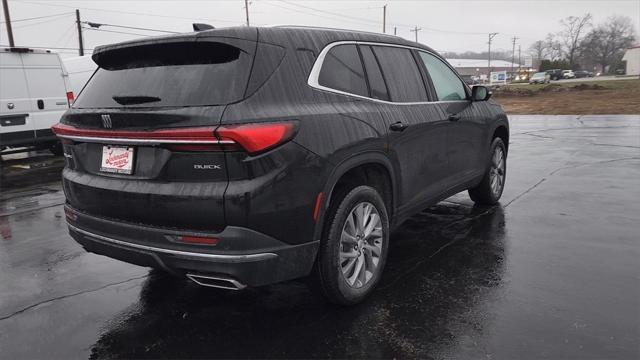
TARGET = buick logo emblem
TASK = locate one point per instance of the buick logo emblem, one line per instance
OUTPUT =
(106, 121)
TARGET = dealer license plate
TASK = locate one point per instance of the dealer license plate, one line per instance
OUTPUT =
(117, 159)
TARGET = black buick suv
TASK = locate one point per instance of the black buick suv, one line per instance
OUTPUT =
(246, 156)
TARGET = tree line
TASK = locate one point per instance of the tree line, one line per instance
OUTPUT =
(584, 45)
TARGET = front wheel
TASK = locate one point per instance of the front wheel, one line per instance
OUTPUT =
(353, 249)
(489, 191)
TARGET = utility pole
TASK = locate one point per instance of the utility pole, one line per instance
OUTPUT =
(519, 58)
(246, 10)
(395, 30)
(491, 36)
(80, 41)
(415, 30)
(384, 19)
(7, 19)
(513, 51)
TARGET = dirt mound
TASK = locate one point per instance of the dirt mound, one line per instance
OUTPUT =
(584, 86)
(519, 91)
(579, 87)
(512, 91)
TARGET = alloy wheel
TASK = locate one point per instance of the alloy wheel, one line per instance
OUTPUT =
(497, 171)
(361, 244)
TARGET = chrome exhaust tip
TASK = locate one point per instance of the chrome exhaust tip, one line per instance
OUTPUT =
(216, 282)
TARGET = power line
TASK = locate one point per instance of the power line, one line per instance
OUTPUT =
(37, 17)
(115, 32)
(38, 22)
(97, 25)
(315, 14)
(124, 12)
(368, 21)
(332, 13)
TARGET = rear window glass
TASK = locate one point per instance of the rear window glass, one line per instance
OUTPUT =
(173, 74)
(402, 74)
(342, 70)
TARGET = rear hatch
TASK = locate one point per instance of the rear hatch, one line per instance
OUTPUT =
(139, 140)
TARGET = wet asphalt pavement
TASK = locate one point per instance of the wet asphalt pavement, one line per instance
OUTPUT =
(552, 272)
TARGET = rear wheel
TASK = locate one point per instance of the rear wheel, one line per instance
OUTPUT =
(489, 191)
(354, 246)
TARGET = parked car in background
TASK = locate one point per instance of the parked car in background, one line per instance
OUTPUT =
(539, 78)
(469, 80)
(582, 74)
(555, 74)
(568, 74)
(33, 96)
(246, 156)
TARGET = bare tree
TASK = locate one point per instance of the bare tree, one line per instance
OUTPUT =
(537, 51)
(553, 48)
(570, 36)
(605, 45)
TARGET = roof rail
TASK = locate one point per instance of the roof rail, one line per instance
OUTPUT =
(328, 28)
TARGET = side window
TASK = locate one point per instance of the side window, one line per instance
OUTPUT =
(401, 73)
(376, 81)
(342, 70)
(448, 85)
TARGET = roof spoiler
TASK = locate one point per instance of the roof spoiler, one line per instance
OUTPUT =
(202, 27)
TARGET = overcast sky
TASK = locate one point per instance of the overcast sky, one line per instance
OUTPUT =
(446, 25)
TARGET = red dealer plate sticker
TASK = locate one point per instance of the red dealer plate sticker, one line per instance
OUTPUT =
(117, 159)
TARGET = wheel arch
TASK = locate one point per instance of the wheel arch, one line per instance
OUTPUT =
(364, 164)
(501, 130)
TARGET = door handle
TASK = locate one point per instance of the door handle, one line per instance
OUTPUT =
(454, 117)
(40, 103)
(398, 126)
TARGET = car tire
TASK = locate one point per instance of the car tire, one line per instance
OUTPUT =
(489, 191)
(345, 249)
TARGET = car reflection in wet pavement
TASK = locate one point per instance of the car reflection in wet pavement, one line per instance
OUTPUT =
(552, 272)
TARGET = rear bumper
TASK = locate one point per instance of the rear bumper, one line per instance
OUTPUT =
(241, 254)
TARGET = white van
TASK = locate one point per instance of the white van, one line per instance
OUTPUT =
(33, 96)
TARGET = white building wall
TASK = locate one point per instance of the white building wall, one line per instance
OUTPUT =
(632, 57)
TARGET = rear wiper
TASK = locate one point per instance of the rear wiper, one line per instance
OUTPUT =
(130, 100)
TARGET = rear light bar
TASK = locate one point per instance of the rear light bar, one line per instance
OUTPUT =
(202, 135)
(253, 138)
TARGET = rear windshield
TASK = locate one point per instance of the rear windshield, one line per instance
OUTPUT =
(173, 74)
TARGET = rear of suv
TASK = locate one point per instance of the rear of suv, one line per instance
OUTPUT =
(247, 156)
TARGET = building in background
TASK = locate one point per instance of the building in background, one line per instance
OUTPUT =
(632, 58)
(478, 67)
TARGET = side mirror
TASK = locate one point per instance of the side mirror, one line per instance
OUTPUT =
(480, 93)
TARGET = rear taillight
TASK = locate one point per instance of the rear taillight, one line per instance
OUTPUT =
(255, 138)
(70, 97)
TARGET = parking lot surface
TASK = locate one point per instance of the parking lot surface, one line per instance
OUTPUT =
(551, 272)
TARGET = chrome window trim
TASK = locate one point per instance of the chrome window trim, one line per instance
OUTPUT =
(314, 75)
(179, 253)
